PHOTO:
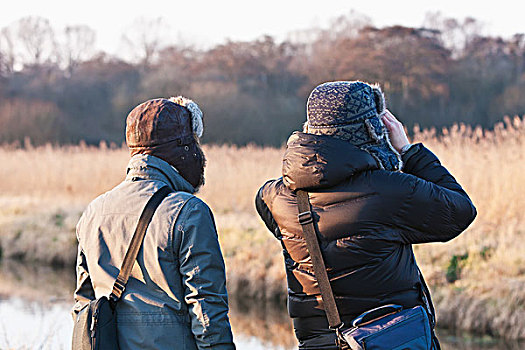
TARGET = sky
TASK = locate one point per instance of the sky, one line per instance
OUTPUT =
(207, 22)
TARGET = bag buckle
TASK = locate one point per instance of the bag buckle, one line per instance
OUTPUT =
(305, 218)
(118, 289)
(340, 341)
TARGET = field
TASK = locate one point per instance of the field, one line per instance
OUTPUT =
(478, 279)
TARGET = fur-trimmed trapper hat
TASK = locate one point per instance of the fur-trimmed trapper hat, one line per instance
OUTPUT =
(351, 111)
(161, 120)
(169, 129)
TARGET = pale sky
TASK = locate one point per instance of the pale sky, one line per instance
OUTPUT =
(207, 22)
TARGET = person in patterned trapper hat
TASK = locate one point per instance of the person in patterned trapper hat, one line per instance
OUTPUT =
(352, 111)
(372, 196)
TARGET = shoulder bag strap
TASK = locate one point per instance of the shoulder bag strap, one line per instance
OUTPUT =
(306, 220)
(136, 242)
(307, 223)
(427, 299)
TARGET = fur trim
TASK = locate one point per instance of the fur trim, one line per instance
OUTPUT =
(305, 127)
(372, 130)
(384, 135)
(379, 98)
(400, 161)
(387, 139)
(195, 111)
(377, 159)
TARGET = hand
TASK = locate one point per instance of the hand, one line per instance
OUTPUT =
(396, 131)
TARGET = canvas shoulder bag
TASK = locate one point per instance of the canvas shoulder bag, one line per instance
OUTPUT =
(95, 325)
(385, 327)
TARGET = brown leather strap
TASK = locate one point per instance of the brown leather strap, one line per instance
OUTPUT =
(306, 220)
(136, 242)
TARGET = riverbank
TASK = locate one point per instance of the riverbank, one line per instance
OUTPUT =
(255, 268)
(40, 297)
(477, 279)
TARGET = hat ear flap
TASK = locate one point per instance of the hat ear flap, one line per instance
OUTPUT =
(379, 98)
(196, 118)
(195, 111)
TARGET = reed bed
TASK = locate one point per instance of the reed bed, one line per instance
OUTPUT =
(478, 279)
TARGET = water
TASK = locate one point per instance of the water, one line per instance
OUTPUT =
(35, 305)
(30, 325)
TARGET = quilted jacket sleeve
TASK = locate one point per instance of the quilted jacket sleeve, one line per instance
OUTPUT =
(203, 276)
(264, 211)
(436, 207)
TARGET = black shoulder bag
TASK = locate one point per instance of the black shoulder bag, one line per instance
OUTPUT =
(385, 327)
(95, 325)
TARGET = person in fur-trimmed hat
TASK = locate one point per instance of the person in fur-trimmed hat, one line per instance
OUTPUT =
(176, 295)
(372, 196)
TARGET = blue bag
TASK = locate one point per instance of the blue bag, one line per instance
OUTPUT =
(390, 327)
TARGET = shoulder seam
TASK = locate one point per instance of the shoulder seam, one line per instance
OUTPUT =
(174, 226)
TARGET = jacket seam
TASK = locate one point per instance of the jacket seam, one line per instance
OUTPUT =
(173, 228)
(183, 227)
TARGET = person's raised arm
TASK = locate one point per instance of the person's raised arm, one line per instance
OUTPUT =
(437, 208)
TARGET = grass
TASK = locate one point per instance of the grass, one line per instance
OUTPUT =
(478, 279)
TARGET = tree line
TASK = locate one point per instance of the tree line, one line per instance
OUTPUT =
(55, 87)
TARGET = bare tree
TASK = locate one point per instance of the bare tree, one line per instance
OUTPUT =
(144, 38)
(78, 46)
(348, 26)
(37, 40)
(7, 50)
(455, 34)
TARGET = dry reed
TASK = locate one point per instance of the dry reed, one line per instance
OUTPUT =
(478, 279)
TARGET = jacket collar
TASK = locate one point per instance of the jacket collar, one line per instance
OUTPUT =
(319, 161)
(149, 167)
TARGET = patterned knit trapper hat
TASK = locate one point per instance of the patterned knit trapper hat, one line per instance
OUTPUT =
(351, 110)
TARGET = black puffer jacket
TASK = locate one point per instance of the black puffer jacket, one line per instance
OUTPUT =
(366, 219)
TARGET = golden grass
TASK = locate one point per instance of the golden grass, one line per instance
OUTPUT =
(491, 168)
(44, 189)
(489, 293)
